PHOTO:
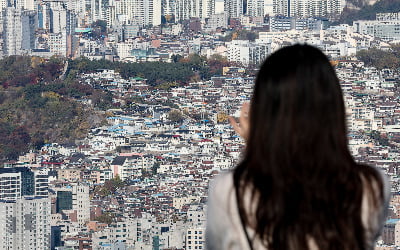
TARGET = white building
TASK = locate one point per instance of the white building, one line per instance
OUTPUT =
(185, 9)
(195, 238)
(18, 31)
(248, 52)
(24, 4)
(217, 21)
(141, 11)
(21, 181)
(57, 43)
(256, 8)
(387, 30)
(25, 224)
(234, 8)
(308, 8)
(78, 195)
(81, 203)
(12, 31)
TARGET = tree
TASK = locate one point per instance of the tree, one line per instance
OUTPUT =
(377, 136)
(379, 58)
(176, 58)
(175, 116)
(367, 12)
(105, 218)
(99, 29)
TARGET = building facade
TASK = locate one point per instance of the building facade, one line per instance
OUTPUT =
(25, 223)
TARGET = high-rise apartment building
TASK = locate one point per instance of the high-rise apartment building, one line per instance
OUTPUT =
(3, 5)
(25, 223)
(185, 9)
(24, 209)
(99, 9)
(256, 8)
(195, 238)
(248, 52)
(142, 12)
(74, 200)
(21, 181)
(18, 31)
(12, 31)
(41, 183)
(16, 182)
(234, 8)
(23, 4)
(308, 8)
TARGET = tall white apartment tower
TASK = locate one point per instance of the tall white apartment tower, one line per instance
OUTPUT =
(25, 223)
(12, 31)
(255, 8)
(269, 7)
(24, 209)
(308, 8)
(3, 5)
(147, 12)
(185, 9)
(25, 4)
(281, 7)
(168, 7)
(335, 7)
(234, 8)
(81, 203)
(152, 12)
(16, 183)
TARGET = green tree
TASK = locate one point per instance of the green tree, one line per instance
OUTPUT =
(107, 218)
(175, 116)
(379, 58)
(377, 136)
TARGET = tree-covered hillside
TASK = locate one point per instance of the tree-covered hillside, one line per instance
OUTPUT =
(381, 59)
(182, 70)
(36, 106)
(42, 100)
(367, 12)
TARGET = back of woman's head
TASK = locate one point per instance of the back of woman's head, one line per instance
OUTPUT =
(302, 175)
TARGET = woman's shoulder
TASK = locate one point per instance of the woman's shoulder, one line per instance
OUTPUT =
(223, 179)
(222, 187)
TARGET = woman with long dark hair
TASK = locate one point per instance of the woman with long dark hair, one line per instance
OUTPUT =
(297, 186)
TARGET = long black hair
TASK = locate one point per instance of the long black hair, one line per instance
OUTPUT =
(297, 165)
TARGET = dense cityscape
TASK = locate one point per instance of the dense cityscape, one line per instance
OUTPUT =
(146, 88)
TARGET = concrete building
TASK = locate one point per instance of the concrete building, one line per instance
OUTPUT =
(139, 11)
(74, 201)
(217, 21)
(57, 43)
(234, 8)
(195, 238)
(308, 8)
(21, 181)
(185, 9)
(256, 8)
(248, 52)
(25, 223)
(24, 209)
(18, 31)
(283, 23)
(387, 30)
